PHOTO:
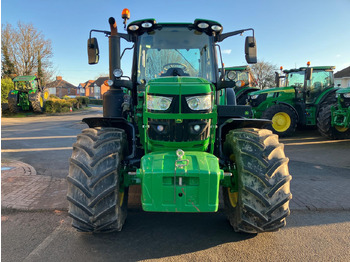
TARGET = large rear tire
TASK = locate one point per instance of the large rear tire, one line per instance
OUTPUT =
(261, 202)
(97, 203)
(13, 107)
(284, 119)
(38, 102)
(324, 125)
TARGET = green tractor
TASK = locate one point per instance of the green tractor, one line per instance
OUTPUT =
(306, 91)
(28, 94)
(334, 120)
(243, 82)
(165, 129)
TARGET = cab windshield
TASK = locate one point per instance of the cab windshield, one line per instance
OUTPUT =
(296, 79)
(175, 51)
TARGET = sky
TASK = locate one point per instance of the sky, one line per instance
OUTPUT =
(288, 33)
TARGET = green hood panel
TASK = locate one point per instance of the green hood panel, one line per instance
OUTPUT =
(274, 90)
(343, 90)
(179, 86)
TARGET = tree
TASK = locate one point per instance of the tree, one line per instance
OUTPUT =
(264, 73)
(25, 51)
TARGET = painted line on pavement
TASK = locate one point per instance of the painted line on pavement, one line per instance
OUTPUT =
(35, 254)
(34, 149)
(33, 137)
(314, 143)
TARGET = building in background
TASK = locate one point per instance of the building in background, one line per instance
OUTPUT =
(94, 88)
(342, 78)
(61, 88)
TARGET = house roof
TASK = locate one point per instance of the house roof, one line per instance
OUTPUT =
(60, 83)
(343, 73)
(99, 81)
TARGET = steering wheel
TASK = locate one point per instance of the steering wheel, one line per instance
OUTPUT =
(175, 65)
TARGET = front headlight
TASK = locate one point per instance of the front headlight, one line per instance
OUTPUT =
(254, 96)
(347, 95)
(158, 102)
(199, 102)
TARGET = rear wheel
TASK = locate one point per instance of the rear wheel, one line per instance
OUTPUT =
(13, 107)
(284, 119)
(38, 102)
(259, 201)
(324, 125)
(97, 203)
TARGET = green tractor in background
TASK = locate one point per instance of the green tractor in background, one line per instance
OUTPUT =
(166, 129)
(334, 120)
(306, 91)
(28, 94)
(243, 82)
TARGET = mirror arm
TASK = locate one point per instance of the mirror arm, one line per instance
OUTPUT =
(126, 37)
(221, 37)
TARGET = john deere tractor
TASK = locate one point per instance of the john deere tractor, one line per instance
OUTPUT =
(28, 94)
(307, 90)
(244, 82)
(165, 129)
(334, 120)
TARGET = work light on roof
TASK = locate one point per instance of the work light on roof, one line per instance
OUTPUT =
(216, 28)
(203, 25)
(133, 27)
(146, 25)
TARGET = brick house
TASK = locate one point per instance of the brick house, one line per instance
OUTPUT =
(342, 77)
(93, 88)
(61, 88)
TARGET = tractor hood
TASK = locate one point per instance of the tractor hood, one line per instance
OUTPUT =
(274, 90)
(179, 86)
(343, 90)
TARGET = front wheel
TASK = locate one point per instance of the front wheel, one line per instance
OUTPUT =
(97, 201)
(284, 119)
(259, 198)
(324, 125)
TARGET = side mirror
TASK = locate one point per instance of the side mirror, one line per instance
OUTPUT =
(250, 50)
(277, 79)
(308, 73)
(93, 51)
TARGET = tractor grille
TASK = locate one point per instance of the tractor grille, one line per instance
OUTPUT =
(345, 102)
(171, 130)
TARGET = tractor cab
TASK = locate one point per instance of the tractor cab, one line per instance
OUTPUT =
(310, 89)
(26, 82)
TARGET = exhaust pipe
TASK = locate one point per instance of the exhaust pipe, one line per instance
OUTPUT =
(114, 49)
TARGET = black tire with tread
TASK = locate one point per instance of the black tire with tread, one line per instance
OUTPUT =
(324, 124)
(272, 110)
(36, 103)
(94, 197)
(263, 181)
(13, 107)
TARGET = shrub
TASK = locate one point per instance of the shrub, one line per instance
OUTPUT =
(6, 86)
(58, 106)
(83, 100)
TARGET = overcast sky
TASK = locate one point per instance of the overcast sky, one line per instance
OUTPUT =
(288, 33)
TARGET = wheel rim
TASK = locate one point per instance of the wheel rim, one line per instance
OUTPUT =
(233, 197)
(41, 102)
(46, 95)
(281, 121)
(341, 128)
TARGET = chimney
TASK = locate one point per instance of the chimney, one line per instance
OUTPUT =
(58, 78)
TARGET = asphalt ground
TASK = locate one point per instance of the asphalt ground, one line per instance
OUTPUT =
(320, 169)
